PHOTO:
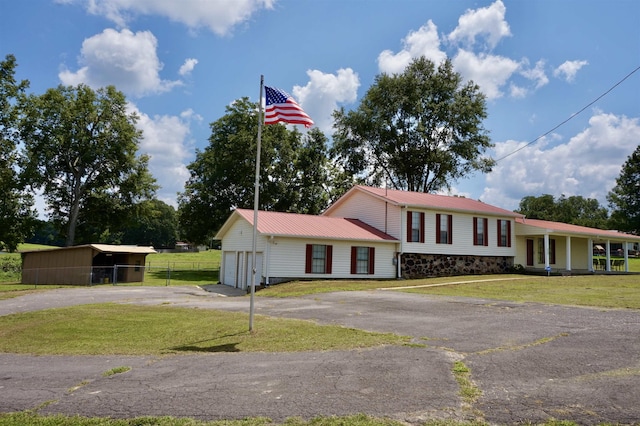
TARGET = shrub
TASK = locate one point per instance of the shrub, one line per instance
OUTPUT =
(10, 268)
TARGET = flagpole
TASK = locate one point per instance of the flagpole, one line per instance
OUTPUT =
(255, 206)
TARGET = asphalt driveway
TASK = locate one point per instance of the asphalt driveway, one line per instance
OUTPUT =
(532, 362)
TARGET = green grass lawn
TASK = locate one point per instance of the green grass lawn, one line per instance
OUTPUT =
(114, 329)
(22, 419)
(589, 290)
(607, 291)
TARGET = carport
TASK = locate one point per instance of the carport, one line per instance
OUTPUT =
(85, 264)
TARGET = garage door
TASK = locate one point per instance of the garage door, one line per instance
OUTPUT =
(229, 268)
(248, 272)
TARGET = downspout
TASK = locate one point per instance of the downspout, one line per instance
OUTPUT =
(402, 235)
(267, 260)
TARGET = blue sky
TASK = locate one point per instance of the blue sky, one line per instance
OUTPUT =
(180, 63)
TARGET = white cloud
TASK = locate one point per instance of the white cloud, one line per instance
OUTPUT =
(477, 34)
(166, 139)
(569, 69)
(320, 97)
(586, 165)
(486, 21)
(517, 91)
(536, 74)
(490, 72)
(219, 16)
(424, 42)
(188, 66)
(124, 59)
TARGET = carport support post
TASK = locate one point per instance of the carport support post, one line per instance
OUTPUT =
(256, 197)
(546, 252)
(568, 254)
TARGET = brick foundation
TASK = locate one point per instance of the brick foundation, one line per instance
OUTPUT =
(414, 265)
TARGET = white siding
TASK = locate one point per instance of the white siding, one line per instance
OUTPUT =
(372, 211)
(462, 239)
(237, 252)
(285, 257)
(288, 257)
(240, 238)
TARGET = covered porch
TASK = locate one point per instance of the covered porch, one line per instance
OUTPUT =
(560, 247)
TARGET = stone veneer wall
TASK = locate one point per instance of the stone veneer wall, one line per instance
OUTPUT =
(415, 265)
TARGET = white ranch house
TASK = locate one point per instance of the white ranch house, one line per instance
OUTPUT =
(377, 233)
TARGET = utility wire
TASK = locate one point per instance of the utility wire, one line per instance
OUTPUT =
(572, 115)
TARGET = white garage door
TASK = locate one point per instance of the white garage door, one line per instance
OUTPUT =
(249, 269)
(229, 268)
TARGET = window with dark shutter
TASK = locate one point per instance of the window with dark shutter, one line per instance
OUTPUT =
(318, 259)
(362, 260)
(444, 229)
(415, 227)
(480, 231)
(504, 233)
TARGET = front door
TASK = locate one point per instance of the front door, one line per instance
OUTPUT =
(529, 252)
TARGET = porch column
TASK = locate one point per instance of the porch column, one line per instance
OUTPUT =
(625, 246)
(546, 252)
(568, 262)
(590, 255)
(608, 268)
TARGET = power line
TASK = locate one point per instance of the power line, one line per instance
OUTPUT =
(572, 115)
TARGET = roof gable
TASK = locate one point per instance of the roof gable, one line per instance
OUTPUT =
(307, 226)
(427, 201)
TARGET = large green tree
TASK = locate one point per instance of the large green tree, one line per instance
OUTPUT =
(155, 224)
(81, 148)
(420, 130)
(16, 215)
(624, 198)
(575, 210)
(294, 172)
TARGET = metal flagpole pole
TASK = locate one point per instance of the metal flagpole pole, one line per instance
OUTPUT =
(255, 207)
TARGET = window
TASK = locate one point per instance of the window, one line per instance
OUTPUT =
(480, 226)
(504, 233)
(444, 229)
(552, 251)
(415, 227)
(362, 260)
(318, 259)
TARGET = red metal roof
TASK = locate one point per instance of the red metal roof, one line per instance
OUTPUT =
(565, 228)
(434, 201)
(301, 225)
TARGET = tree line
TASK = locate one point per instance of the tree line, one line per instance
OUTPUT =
(420, 130)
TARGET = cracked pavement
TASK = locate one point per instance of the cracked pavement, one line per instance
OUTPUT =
(532, 362)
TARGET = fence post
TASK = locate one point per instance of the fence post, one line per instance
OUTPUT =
(115, 274)
(168, 275)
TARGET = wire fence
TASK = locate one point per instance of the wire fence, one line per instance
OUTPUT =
(151, 274)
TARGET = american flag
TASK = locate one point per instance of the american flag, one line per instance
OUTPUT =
(281, 107)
